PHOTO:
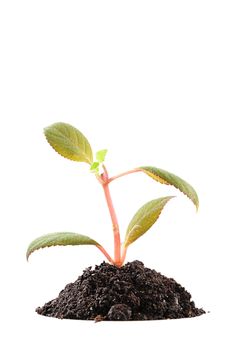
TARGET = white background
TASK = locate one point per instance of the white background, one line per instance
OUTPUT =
(151, 82)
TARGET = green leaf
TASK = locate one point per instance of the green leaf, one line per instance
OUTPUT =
(94, 167)
(100, 155)
(69, 142)
(145, 217)
(167, 178)
(59, 238)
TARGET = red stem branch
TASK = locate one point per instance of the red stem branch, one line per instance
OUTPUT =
(123, 174)
(108, 257)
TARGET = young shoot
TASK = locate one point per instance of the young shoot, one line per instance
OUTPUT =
(72, 144)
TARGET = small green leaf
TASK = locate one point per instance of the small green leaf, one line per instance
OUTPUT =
(145, 217)
(59, 238)
(100, 155)
(69, 142)
(94, 167)
(167, 178)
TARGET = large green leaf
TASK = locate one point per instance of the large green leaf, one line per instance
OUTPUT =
(69, 142)
(167, 178)
(145, 217)
(59, 238)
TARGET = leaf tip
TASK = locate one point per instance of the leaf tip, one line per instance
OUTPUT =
(27, 255)
(47, 128)
(46, 134)
(168, 198)
(100, 155)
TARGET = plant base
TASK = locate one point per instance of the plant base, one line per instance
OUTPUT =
(132, 292)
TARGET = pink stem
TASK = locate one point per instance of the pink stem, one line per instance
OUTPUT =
(108, 257)
(123, 174)
(123, 255)
(105, 180)
(117, 241)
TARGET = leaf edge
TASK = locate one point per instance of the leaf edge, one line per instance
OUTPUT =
(30, 251)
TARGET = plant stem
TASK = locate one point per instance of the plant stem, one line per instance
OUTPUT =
(117, 241)
(108, 257)
(124, 251)
(123, 174)
(104, 181)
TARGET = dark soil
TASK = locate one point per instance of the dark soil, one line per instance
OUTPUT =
(132, 292)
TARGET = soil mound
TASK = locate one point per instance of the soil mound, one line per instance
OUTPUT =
(132, 292)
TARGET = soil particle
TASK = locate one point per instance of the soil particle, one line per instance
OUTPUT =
(132, 292)
(119, 312)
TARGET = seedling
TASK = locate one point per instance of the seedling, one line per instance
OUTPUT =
(72, 144)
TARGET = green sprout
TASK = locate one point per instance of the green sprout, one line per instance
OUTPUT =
(72, 144)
